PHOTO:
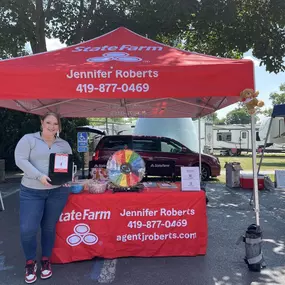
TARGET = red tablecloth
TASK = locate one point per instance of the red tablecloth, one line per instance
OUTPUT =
(155, 222)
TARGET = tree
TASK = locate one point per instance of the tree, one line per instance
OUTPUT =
(220, 121)
(23, 21)
(266, 112)
(278, 97)
(217, 121)
(230, 28)
(238, 116)
(220, 28)
(13, 126)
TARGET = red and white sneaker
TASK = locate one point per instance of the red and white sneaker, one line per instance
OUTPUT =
(46, 268)
(31, 271)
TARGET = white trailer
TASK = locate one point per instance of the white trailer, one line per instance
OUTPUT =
(233, 139)
(276, 133)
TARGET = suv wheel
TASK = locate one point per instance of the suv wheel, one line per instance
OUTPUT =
(205, 171)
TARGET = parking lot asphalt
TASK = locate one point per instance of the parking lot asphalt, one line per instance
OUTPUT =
(229, 214)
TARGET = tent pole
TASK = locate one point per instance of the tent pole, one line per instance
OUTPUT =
(199, 135)
(107, 129)
(255, 182)
(253, 235)
(263, 150)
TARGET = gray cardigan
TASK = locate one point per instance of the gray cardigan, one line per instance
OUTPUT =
(32, 157)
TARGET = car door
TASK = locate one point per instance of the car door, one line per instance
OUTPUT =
(173, 150)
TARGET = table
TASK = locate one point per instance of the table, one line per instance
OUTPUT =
(155, 222)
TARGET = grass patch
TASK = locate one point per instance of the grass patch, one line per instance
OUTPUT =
(270, 162)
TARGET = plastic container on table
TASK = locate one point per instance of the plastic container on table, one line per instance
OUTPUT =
(76, 188)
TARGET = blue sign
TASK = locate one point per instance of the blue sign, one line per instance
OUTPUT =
(82, 148)
(82, 142)
(82, 137)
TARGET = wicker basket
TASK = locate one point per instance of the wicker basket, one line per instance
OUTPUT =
(96, 187)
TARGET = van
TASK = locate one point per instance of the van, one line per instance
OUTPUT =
(152, 148)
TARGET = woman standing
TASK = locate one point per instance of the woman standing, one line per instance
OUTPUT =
(40, 202)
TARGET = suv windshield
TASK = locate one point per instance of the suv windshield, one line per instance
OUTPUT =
(145, 144)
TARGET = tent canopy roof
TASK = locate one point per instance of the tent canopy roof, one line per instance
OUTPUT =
(122, 74)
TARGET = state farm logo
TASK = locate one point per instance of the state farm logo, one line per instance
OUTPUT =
(117, 56)
(82, 234)
(159, 165)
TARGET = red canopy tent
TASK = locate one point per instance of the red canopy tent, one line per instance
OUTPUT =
(122, 74)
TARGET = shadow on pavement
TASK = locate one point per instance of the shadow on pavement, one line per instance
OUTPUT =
(229, 214)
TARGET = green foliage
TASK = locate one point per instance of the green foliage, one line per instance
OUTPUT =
(230, 28)
(221, 28)
(267, 112)
(220, 121)
(21, 22)
(217, 121)
(13, 126)
(83, 20)
(238, 116)
(278, 97)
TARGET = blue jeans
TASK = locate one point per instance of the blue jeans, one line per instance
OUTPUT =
(40, 208)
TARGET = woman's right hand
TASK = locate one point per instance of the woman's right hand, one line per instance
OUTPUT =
(45, 180)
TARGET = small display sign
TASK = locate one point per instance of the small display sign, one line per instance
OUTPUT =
(61, 163)
(190, 179)
(280, 179)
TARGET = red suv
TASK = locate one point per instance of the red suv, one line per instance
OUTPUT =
(158, 148)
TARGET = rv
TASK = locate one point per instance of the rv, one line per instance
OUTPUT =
(234, 139)
(276, 133)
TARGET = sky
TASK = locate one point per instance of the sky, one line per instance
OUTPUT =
(265, 82)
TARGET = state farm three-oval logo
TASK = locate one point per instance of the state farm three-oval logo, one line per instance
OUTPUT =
(82, 234)
(115, 56)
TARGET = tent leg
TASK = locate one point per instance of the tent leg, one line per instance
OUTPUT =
(253, 235)
(200, 156)
(255, 181)
(262, 155)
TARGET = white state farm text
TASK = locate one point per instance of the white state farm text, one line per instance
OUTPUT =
(87, 214)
